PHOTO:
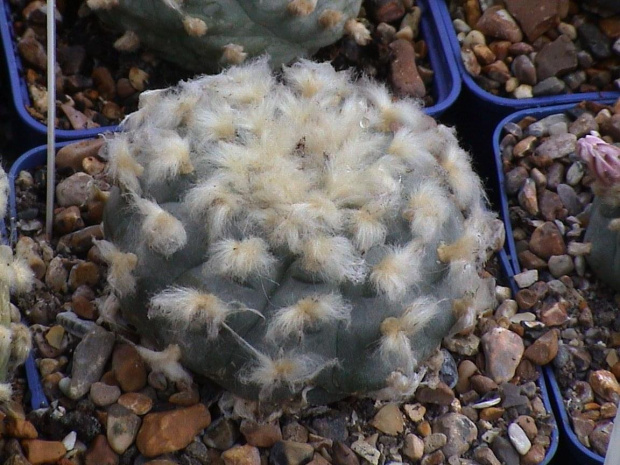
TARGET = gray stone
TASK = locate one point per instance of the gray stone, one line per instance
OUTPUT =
(556, 58)
(575, 174)
(575, 79)
(540, 128)
(599, 438)
(122, 428)
(569, 199)
(290, 453)
(448, 372)
(103, 394)
(89, 360)
(460, 433)
(560, 265)
(74, 190)
(503, 350)
(593, 39)
(549, 86)
(524, 70)
(557, 146)
(504, 451)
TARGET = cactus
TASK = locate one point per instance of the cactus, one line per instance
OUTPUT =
(299, 235)
(603, 231)
(205, 36)
(17, 277)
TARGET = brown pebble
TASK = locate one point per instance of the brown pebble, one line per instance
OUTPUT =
(547, 240)
(186, 397)
(20, 429)
(38, 451)
(544, 349)
(68, 220)
(138, 403)
(385, 11)
(342, 455)
(129, 368)
(71, 156)
(404, 75)
(99, 452)
(104, 82)
(260, 435)
(124, 88)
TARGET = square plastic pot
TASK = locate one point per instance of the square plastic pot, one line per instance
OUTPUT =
(499, 107)
(577, 450)
(446, 88)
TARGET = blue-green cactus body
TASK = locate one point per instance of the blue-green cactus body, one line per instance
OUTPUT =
(331, 236)
(207, 35)
(604, 258)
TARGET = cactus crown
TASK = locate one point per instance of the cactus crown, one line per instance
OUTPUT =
(286, 212)
(603, 160)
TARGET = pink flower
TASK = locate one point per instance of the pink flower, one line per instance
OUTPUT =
(602, 158)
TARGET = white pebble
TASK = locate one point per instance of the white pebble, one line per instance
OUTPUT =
(526, 278)
(69, 440)
(519, 439)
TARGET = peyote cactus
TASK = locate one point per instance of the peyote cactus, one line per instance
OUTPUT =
(304, 234)
(603, 230)
(208, 35)
(15, 276)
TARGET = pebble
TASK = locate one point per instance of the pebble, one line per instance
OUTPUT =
(556, 58)
(73, 190)
(241, 455)
(504, 451)
(129, 368)
(497, 22)
(519, 439)
(292, 453)
(404, 75)
(389, 420)
(222, 434)
(600, 436)
(503, 350)
(260, 435)
(122, 428)
(434, 442)
(442, 394)
(459, 430)
(413, 447)
(103, 395)
(342, 455)
(366, 451)
(89, 360)
(547, 241)
(544, 349)
(38, 451)
(526, 278)
(605, 385)
(173, 430)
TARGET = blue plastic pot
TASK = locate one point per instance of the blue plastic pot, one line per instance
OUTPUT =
(446, 87)
(27, 161)
(501, 106)
(576, 449)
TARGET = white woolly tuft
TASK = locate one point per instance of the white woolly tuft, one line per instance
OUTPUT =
(464, 249)
(195, 27)
(398, 271)
(162, 232)
(333, 258)
(357, 30)
(122, 166)
(301, 7)
(307, 312)
(22, 276)
(464, 182)
(214, 123)
(167, 363)
(215, 201)
(6, 393)
(292, 371)
(241, 259)
(233, 54)
(411, 150)
(396, 332)
(427, 210)
(4, 193)
(21, 343)
(184, 307)
(367, 227)
(121, 265)
(127, 43)
(171, 156)
(400, 386)
(311, 79)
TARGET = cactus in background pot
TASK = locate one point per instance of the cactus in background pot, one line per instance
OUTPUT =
(207, 35)
(17, 277)
(308, 234)
(603, 230)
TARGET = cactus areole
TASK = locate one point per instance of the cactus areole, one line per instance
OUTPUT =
(303, 235)
(207, 35)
